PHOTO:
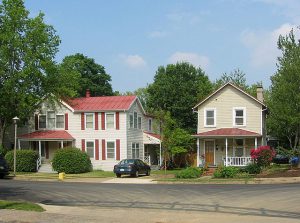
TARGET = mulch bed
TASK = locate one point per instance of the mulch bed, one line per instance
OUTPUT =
(287, 173)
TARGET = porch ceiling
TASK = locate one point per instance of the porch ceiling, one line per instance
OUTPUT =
(47, 135)
(227, 132)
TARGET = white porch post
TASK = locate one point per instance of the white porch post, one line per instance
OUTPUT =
(160, 154)
(226, 148)
(255, 143)
(40, 149)
(62, 144)
(19, 144)
(198, 151)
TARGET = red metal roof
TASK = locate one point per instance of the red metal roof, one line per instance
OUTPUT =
(105, 103)
(227, 132)
(47, 134)
(153, 135)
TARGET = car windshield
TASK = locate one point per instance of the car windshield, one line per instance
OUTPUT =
(129, 161)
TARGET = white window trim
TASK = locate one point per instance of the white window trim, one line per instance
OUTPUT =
(45, 120)
(215, 117)
(135, 143)
(47, 127)
(110, 113)
(85, 114)
(115, 149)
(86, 141)
(63, 120)
(139, 127)
(131, 115)
(244, 118)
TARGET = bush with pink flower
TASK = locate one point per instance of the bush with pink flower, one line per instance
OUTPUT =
(263, 155)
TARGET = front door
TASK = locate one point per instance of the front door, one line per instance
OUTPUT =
(209, 152)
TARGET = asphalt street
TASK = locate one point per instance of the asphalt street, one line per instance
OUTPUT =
(281, 201)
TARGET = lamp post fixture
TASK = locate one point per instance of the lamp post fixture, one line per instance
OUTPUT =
(15, 119)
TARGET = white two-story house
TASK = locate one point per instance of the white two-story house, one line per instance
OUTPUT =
(230, 123)
(108, 129)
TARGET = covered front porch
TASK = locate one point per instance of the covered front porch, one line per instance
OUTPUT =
(152, 149)
(45, 143)
(227, 147)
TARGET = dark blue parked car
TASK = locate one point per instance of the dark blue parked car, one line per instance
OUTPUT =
(4, 170)
(133, 167)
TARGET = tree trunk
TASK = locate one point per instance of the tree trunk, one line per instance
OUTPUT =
(2, 131)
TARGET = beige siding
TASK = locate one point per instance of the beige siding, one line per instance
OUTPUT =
(223, 102)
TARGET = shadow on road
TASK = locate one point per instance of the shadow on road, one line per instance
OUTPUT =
(184, 207)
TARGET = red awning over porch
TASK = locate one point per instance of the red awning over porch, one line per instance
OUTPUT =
(47, 134)
(228, 132)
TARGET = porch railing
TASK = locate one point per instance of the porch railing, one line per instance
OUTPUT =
(147, 159)
(237, 161)
(38, 163)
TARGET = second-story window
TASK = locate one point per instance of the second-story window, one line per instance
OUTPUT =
(140, 122)
(51, 119)
(42, 121)
(239, 116)
(60, 121)
(131, 121)
(210, 117)
(89, 121)
(135, 117)
(150, 125)
(110, 121)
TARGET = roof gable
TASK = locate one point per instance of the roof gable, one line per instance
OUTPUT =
(229, 85)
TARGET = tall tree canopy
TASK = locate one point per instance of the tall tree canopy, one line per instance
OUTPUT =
(177, 88)
(284, 97)
(28, 72)
(92, 75)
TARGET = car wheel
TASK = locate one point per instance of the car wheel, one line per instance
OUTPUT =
(148, 173)
(118, 175)
(137, 173)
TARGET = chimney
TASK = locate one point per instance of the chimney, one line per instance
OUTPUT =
(259, 93)
(87, 93)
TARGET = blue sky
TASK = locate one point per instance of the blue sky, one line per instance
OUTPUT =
(132, 38)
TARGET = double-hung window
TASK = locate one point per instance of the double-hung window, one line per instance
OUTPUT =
(90, 148)
(110, 120)
(110, 150)
(42, 121)
(89, 120)
(135, 118)
(135, 150)
(51, 119)
(60, 121)
(210, 117)
(131, 121)
(239, 116)
(140, 122)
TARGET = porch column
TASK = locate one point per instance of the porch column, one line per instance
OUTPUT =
(198, 151)
(160, 161)
(62, 144)
(255, 143)
(226, 148)
(40, 149)
(19, 144)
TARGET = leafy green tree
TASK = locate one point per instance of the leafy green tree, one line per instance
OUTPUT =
(284, 96)
(177, 88)
(28, 72)
(92, 75)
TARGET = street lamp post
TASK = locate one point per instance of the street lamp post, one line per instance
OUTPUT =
(15, 119)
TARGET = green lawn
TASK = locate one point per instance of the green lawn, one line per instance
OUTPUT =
(18, 205)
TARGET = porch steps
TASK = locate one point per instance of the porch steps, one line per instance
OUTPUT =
(210, 171)
(46, 168)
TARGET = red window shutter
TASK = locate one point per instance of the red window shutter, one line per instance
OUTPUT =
(103, 150)
(97, 149)
(82, 121)
(36, 122)
(83, 145)
(117, 120)
(66, 121)
(103, 120)
(47, 150)
(96, 121)
(118, 149)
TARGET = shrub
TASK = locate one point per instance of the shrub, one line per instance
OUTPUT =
(252, 168)
(226, 172)
(3, 151)
(71, 160)
(188, 173)
(25, 160)
(263, 155)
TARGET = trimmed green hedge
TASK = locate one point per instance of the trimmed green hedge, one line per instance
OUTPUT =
(25, 160)
(71, 160)
(189, 173)
(252, 168)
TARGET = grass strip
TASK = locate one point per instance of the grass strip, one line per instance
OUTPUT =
(19, 205)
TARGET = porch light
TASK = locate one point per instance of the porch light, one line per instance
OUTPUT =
(15, 121)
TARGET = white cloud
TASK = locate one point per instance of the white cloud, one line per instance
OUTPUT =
(263, 44)
(133, 61)
(184, 17)
(157, 34)
(193, 58)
